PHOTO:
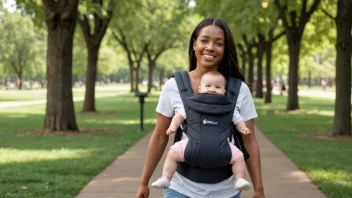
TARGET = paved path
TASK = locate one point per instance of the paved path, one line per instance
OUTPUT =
(281, 177)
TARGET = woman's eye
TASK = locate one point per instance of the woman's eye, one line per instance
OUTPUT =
(203, 41)
(219, 44)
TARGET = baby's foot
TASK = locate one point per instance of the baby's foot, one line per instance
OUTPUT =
(242, 184)
(162, 182)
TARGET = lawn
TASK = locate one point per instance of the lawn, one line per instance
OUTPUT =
(327, 162)
(60, 165)
(40, 94)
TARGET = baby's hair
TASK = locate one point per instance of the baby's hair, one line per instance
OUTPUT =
(215, 73)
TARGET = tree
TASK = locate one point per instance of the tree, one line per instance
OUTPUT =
(93, 34)
(167, 26)
(60, 18)
(18, 53)
(294, 20)
(131, 32)
(343, 21)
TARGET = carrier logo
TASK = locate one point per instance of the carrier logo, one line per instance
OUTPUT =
(209, 122)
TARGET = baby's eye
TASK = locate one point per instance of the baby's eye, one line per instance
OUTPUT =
(207, 85)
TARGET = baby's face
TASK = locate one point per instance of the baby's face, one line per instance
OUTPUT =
(212, 84)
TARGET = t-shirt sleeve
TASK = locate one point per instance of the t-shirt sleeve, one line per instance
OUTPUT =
(236, 117)
(170, 100)
(245, 104)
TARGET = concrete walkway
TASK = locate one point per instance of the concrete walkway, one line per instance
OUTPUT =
(281, 177)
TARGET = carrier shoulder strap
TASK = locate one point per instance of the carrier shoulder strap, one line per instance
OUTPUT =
(233, 88)
(185, 90)
(184, 86)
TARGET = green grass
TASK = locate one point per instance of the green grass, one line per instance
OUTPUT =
(327, 162)
(57, 165)
(40, 94)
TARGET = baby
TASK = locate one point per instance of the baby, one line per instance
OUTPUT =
(213, 83)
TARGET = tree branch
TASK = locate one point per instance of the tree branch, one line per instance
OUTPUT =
(282, 14)
(279, 35)
(328, 14)
(85, 27)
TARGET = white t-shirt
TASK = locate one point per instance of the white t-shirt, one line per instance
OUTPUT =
(169, 103)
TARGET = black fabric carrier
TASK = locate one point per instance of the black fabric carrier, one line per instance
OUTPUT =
(208, 126)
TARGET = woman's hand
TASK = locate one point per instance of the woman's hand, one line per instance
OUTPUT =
(258, 194)
(143, 191)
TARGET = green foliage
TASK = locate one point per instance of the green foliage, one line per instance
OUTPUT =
(296, 133)
(22, 47)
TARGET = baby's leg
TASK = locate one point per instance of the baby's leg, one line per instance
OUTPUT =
(239, 169)
(175, 154)
(170, 164)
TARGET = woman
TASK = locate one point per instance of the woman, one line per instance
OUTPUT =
(211, 48)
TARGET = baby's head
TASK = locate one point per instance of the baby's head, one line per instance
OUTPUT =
(213, 82)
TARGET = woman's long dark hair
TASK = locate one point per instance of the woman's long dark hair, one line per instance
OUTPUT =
(228, 66)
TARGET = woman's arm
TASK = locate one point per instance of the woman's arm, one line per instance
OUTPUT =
(156, 147)
(253, 163)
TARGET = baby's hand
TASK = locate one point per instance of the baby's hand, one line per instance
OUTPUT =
(245, 131)
(171, 130)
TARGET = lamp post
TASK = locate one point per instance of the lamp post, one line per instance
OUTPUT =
(141, 96)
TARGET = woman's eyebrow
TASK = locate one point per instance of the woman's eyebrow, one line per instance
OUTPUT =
(204, 36)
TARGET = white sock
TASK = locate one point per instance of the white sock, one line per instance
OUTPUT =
(242, 184)
(162, 182)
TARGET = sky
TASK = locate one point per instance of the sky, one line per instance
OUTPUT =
(10, 5)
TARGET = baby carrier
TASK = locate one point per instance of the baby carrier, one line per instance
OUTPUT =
(208, 127)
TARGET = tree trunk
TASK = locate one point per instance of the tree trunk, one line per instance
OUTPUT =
(260, 52)
(134, 80)
(161, 78)
(294, 42)
(93, 41)
(151, 65)
(131, 78)
(91, 77)
(19, 79)
(244, 62)
(137, 79)
(250, 68)
(61, 21)
(342, 118)
(268, 73)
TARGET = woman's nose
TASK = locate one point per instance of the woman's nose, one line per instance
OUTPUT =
(210, 47)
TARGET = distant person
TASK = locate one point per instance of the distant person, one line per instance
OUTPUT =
(323, 84)
(212, 83)
(282, 88)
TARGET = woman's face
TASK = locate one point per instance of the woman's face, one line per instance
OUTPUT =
(209, 47)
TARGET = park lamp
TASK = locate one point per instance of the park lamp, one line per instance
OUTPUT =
(141, 96)
(265, 4)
